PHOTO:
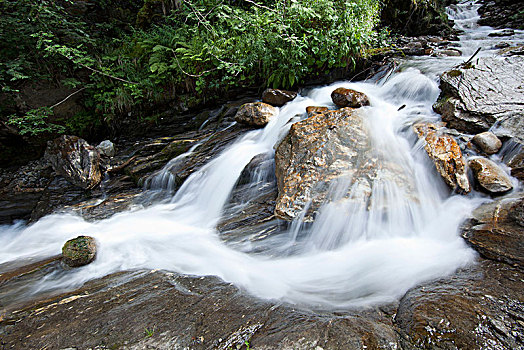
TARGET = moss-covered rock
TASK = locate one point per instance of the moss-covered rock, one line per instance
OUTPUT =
(79, 251)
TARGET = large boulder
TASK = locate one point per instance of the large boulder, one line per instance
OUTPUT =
(343, 97)
(446, 155)
(256, 114)
(476, 96)
(278, 98)
(326, 149)
(76, 160)
(490, 176)
(79, 251)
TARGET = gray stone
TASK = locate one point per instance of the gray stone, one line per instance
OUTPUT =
(478, 95)
(106, 148)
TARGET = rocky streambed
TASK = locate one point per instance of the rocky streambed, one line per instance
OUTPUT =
(333, 154)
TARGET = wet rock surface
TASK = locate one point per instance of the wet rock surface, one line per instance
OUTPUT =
(278, 98)
(343, 97)
(475, 97)
(489, 176)
(75, 160)
(327, 151)
(21, 189)
(256, 114)
(249, 215)
(312, 110)
(496, 230)
(446, 155)
(480, 307)
(184, 312)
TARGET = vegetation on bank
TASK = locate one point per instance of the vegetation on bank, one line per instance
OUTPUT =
(125, 57)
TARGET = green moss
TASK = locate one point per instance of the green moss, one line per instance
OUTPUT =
(454, 73)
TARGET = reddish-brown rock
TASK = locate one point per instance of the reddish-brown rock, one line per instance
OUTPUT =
(278, 98)
(312, 110)
(446, 155)
(343, 97)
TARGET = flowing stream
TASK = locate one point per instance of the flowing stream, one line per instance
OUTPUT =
(349, 257)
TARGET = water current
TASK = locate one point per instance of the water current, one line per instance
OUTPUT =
(349, 257)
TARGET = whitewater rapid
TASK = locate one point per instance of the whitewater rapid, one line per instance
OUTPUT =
(349, 257)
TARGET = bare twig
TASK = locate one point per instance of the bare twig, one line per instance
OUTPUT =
(473, 56)
(107, 75)
(65, 99)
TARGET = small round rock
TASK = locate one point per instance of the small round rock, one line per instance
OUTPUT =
(79, 251)
(488, 142)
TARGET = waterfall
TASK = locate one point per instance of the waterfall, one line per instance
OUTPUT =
(351, 256)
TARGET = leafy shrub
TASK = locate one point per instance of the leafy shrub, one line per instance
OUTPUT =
(202, 46)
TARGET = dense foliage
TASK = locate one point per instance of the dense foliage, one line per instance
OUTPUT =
(188, 47)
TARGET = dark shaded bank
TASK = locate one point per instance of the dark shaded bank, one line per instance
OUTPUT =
(415, 18)
(502, 14)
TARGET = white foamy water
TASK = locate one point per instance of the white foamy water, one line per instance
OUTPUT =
(352, 255)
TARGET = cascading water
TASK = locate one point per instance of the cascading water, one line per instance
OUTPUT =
(350, 256)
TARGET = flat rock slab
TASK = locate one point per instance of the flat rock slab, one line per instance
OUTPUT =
(481, 307)
(183, 312)
(490, 90)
